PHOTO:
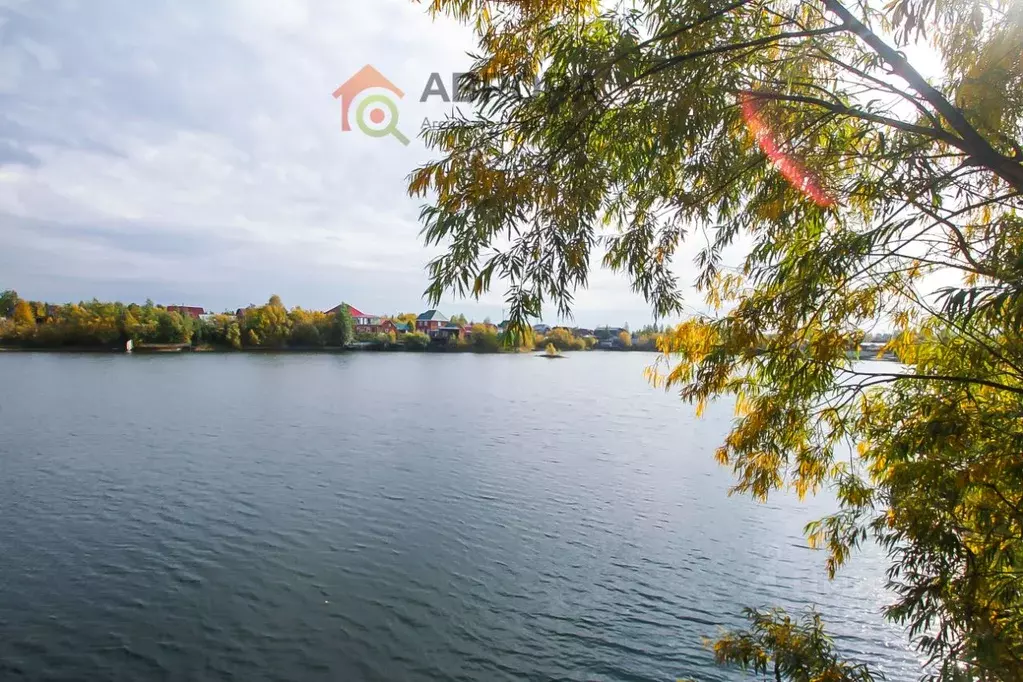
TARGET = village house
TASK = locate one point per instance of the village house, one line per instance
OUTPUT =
(431, 321)
(366, 323)
(447, 331)
(191, 311)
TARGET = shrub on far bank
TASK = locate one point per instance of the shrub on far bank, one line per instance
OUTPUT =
(484, 339)
(562, 339)
(415, 341)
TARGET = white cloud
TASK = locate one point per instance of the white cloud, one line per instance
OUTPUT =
(192, 150)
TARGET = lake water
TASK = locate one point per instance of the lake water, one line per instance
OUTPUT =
(385, 517)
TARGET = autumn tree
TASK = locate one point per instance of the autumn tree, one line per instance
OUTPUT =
(859, 192)
(23, 315)
(309, 329)
(267, 325)
(484, 339)
(407, 318)
(8, 299)
(222, 330)
(563, 339)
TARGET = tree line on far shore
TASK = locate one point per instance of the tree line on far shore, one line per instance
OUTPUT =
(101, 325)
(105, 325)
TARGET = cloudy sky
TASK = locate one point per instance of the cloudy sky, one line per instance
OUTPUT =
(190, 151)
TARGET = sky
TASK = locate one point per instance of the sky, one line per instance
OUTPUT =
(191, 152)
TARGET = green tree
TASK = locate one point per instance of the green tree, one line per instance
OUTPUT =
(343, 327)
(519, 335)
(169, 327)
(233, 335)
(305, 335)
(459, 319)
(801, 132)
(8, 299)
(416, 341)
(308, 328)
(484, 339)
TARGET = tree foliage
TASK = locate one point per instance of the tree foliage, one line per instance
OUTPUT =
(416, 341)
(97, 324)
(800, 650)
(94, 324)
(861, 193)
(484, 338)
(406, 318)
(343, 327)
(8, 299)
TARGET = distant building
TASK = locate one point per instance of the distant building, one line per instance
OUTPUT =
(354, 311)
(431, 321)
(401, 327)
(445, 332)
(364, 322)
(541, 328)
(603, 333)
(191, 311)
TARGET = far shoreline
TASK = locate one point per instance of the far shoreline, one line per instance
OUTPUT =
(335, 351)
(859, 356)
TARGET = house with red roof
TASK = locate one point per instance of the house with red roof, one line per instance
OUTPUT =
(189, 310)
(364, 322)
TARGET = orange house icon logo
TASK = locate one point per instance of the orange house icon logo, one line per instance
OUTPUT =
(375, 115)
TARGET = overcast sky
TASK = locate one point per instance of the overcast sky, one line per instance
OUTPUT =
(191, 152)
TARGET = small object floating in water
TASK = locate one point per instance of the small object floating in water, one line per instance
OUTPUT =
(551, 353)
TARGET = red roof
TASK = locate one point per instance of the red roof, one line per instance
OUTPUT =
(193, 311)
(354, 311)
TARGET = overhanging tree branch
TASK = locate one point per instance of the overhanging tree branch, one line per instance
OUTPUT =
(731, 47)
(978, 148)
(844, 110)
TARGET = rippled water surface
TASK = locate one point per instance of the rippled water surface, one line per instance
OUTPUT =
(385, 517)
